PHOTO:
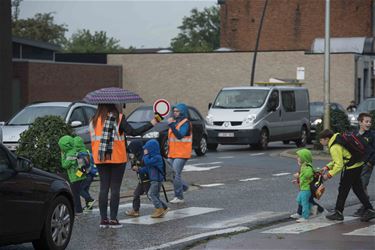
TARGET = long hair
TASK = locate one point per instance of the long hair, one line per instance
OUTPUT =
(102, 112)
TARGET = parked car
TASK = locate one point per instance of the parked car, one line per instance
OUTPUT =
(317, 113)
(77, 114)
(144, 114)
(365, 106)
(35, 206)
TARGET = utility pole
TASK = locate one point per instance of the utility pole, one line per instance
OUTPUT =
(5, 60)
(327, 48)
(257, 44)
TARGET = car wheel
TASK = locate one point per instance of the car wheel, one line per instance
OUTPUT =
(264, 138)
(165, 148)
(58, 226)
(286, 142)
(212, 146)
(302, 141)
(202, 149)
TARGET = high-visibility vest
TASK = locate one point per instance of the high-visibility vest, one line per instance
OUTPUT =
(180, 148)
(119, 145)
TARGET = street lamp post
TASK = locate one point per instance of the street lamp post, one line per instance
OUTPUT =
(327, 48)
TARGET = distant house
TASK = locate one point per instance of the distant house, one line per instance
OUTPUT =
(27, 49)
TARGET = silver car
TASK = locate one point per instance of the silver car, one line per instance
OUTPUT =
(365, 106)
(77, 114)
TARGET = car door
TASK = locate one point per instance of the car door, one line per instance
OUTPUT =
(196, 121)
(273, 118)
(290, 118)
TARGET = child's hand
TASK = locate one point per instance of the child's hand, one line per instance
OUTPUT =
(296, 175)
(294, 181)
(145, 151)
(135, 168)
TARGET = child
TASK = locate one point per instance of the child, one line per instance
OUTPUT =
(69, 163)
(153, 166)
(92, 172)
(304, 178)
(135, 155)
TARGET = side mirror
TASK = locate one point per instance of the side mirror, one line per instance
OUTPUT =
(2, 123)
(23, 164)
(209, 105)
(75, 124)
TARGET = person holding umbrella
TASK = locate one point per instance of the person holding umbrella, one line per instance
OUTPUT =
(107, 129)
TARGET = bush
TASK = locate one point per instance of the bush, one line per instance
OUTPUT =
(40, 142)
(372, 113)
(339, 123)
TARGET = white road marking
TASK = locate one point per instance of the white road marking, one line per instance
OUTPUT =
(256, 154)
(225, 157)
(366, 231)
(312, 224)
(191, 168)
(280, 174)
(171, 215)
(212, 185)
(251, 179)
(207, 163)
(241, 220)
(125, 205)
(198, 236)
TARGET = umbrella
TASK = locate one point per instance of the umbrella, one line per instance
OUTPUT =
(112, 96)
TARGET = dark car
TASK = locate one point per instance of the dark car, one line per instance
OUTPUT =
(317, 113)
(35, 206)
(144, 114)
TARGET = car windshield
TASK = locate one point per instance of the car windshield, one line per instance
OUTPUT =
(366, 106)
(316, 109)
(28, 115)
(240, 98)
(142, 115)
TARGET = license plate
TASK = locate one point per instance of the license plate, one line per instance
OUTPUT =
(226, 134)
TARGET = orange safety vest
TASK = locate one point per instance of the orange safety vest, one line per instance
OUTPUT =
(119, 145)
(180, 148)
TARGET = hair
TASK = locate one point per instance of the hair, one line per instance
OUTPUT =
(362, 116)
(102, 111)
(327, 133)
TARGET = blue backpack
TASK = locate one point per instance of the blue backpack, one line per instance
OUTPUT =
(86, 163)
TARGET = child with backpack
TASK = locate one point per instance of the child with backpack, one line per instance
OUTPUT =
(70, 164)
(153, 166)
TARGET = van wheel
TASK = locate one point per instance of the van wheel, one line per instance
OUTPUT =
(202, 149)
(212, 146)
(264, 139)
(302, 141)
(286, 142)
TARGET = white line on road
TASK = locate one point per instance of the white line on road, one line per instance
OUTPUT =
(366, 231)
(256, 154)
(225, 157)
(207, 163)
(280, 174)
(192, 168)
(198, 236)
(251, 179)
(171, 215)
(126, 205)
(212, 185)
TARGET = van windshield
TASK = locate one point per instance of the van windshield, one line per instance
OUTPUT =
(240, 98)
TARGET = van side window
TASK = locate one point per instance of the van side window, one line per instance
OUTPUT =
(289, 101)
(273, 101)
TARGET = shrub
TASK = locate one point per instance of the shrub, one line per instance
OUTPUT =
(40, 142)
(372, 113)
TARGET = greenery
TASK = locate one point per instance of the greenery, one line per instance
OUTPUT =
(372, 113)
(200, 32)
(40, 142)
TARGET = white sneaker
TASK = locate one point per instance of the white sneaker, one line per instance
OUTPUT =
(176, 200)
(314, 210)
(301, 220)
(295, 216)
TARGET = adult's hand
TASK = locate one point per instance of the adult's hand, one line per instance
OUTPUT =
(171, 119)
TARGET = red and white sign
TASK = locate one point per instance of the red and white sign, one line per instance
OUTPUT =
(162, 106)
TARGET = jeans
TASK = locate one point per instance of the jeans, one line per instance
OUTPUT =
(142, 188)
(303, 200)
(154, 194)
(85, 187)
(313, 203)
(365, 176)
(179, 185)
(76, 187)
(110, 178)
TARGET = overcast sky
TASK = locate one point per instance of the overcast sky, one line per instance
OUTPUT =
(139, 23)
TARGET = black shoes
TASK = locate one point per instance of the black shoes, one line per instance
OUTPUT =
(359, 212)
(335, 216)
(368, 215)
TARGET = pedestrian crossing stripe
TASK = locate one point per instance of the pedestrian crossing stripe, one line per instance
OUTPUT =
(281, 174)
(191, 168)
(212, 185)
(312, 224)
(171, 215)
(366, 231)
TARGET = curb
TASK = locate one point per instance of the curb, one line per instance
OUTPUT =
(290, 153)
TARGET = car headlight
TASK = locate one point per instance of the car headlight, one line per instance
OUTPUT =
(210, 120)
(317, 121)
(153, 134)
(352, 118)
(249, 120)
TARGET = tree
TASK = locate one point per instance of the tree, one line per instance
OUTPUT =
(40, 28)
(200, 32)
(16, 9)
(84, 42)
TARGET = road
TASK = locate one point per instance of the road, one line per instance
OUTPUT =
(231, 190)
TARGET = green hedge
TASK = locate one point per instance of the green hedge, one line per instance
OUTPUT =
(39, 142)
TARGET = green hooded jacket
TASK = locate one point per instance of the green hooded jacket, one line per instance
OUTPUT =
(69, 158)
(306, 173)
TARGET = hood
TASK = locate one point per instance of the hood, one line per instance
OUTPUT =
(305, 155)
(12, 133)
(182, 108)
(43, 173)
(79, 146)
(152, 147)
(66, 143)
(235, 115)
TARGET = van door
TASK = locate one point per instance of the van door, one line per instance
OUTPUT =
(290, 117)
(274, 116)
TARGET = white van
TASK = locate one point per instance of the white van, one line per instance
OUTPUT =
(258, 115)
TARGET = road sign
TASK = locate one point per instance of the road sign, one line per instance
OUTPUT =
(162, 106)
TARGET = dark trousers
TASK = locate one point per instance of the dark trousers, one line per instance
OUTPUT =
(351, 179)
(142, 188)
(110, 178)
(76, 188)
(314, 203)
(85, 187)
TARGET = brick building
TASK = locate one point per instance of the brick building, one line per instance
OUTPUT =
(291, 24)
